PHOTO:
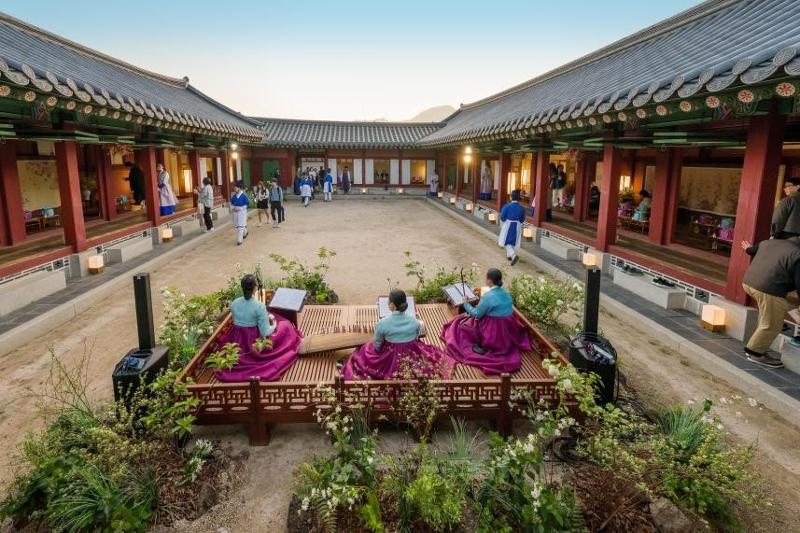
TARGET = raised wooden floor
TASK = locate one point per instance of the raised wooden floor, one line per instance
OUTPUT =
(468, 393)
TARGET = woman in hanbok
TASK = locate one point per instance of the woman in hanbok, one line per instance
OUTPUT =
(512, 216)
(239, 203)
(327, 187)
(166, 198)
(488, 336)
(397, 340)
(279, 340)
(434, 185)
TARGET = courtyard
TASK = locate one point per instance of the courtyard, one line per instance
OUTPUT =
(370, 236)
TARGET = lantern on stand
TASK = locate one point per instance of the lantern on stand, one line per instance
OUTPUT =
(96, 264)
(712, 318)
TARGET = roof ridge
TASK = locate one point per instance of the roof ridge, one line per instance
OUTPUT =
(645, 34)
(91, 52)
(356, 122)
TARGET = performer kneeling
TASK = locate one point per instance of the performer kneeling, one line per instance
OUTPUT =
(396, 339)
(250, 323)
(490, 337)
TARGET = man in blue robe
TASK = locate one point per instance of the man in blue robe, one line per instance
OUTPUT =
(512, 216)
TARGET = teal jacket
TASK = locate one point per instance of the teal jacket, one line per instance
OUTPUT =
(249, 313)
(395, 328)
(496, 302)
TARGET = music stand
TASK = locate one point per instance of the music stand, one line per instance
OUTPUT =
(458, 294)
(383, 307)
(288, 303)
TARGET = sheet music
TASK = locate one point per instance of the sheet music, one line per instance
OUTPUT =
(384, 311)
(457, 294)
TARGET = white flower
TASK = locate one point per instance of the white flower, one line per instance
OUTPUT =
(690, 402)
(567, 385)
(720, 427)
(304, 504)
(752, 402)
(370, 460)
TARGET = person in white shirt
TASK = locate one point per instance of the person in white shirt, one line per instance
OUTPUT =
(205, 199)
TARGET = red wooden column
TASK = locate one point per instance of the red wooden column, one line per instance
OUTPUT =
(104, 174)
(146, 160)
(226, 176)
(756, 194)
(609, 198)
(502, 190)
(581, 189)
(69, 188)
(474, 173)
(659, 209)
(194, 167)
(540, 187)
(11, 196)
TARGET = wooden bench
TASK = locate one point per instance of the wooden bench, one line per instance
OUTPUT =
(294, 398)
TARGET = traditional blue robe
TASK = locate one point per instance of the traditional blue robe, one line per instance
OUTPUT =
(512, 216)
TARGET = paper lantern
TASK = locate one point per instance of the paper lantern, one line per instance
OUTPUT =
(492, 218)
(166, 234)
(363, 190)
(590, 260)
(440, 195)
(400, 190)
(712, 318)
(468, 207)
(96, 264)
(452, 200)
(527, 233)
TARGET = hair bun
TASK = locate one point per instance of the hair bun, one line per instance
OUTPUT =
(402, 307)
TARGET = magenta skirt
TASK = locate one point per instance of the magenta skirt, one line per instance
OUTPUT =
(268, 365)
(387, 362)
(503, 338)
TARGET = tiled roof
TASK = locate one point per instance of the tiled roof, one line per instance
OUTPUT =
(292, 133)
(714, 46)
(48, 63)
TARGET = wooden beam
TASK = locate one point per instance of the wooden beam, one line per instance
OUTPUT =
(541, 187)
(609, 198)
(146, 160)
(69, 188)
(11, 197)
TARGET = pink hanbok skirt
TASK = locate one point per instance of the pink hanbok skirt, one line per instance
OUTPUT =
(503, 338)
(387, 362)
(270, 364)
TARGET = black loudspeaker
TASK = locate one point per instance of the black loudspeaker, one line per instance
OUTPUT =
(140, 365)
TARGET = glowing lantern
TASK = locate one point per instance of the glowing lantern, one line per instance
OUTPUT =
(527, 233)
(452, 200)
(363, 190)
(96, 264)
(468, 207)
(166, 234)
(400, 190)
(590, 260)
(492, 218)
(712, 318)
(441, 195)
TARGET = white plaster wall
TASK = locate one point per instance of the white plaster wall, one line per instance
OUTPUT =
(406, 175)
(394, 172)
(357, 178)
(430, 170)
(369, 170)
(332, 166)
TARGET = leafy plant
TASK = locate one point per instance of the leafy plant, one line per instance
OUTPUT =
(370, 513)
(297, 275)
(430, 284)
(546, 301)
(224, 358)
(418, 403)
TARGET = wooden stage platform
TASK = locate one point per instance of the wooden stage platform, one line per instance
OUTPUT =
(467, 394)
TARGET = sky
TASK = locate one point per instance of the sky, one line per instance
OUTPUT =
(346, 60)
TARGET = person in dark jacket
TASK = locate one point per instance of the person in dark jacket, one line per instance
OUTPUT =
(786, 218)
(771, 276)
(136, 180)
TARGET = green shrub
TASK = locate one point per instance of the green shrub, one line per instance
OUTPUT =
(429, 285)
(546, 301)
(297, 275)
(437, 495)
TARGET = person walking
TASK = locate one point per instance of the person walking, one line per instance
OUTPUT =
(772, 275)
(276, 204)
(786, 218)
(434, 185)
(239, 203)
(261, 197)
(306, 188)
(136, 181)
(512, 216)
(327, 187)
(205, 199)
(166, 198)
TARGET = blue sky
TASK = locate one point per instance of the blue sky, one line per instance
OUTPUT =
(346, 60)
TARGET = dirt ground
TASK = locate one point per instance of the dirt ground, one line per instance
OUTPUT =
(370, 236)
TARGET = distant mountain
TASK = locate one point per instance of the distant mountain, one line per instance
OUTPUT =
(433, 114)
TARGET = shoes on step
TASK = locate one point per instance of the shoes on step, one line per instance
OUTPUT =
(764, 360)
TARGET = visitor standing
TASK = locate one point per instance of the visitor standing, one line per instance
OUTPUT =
(786, 218)
(136, 181)
(239, 202)
(486, 178)
(512, 217)
(166, 198)
(434, 185)
(327, 187)
(306, 187)
(346, 180)
(261, 197)
(773, 274)
(276, 204)
(205, 199)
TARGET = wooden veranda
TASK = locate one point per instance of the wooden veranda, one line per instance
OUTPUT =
(468, 394)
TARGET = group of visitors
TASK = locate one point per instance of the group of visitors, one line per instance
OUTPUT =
(311, 180)
(166, 197)
(487, 336)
